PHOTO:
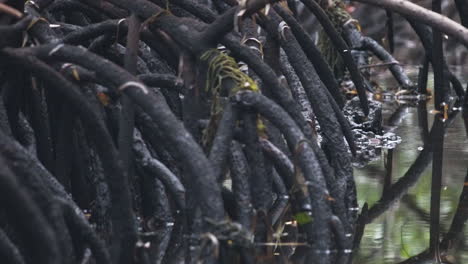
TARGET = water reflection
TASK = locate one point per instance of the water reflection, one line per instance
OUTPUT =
(395, 191)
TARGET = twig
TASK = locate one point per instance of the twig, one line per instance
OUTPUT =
(10, 11)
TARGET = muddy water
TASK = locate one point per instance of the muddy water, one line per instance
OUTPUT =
(403, 230)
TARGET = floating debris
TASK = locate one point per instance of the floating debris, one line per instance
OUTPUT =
(368, 133)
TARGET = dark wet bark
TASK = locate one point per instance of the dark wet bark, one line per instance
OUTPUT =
(158, 169)
(322, 107)
(39, 117)
(307, 161)
(425, 35)
(103, 116)
(240, 174)
(127, 111)
(436, 185)
(219, 151)
(343, 50)
(390, 31)
(183, 142)
(122, 215)
(313, 54)
(9, 252)
(437, 63)
(422, 77)
(278, 209)
(358, 41)
(40, 243)
(462, 11)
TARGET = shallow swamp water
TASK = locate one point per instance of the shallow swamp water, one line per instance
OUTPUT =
(402, 231)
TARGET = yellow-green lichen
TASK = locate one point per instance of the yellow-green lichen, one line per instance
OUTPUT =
(220, 67)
